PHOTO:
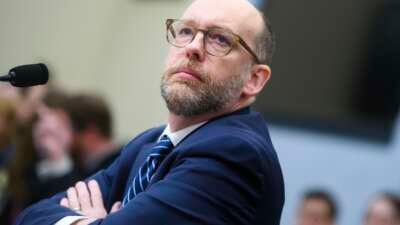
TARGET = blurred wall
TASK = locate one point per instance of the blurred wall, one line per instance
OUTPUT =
(117, 48)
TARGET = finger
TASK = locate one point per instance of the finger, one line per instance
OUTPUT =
(83, 196)
(95, 194)
(73, 199)
(64, 202)
(116, 207)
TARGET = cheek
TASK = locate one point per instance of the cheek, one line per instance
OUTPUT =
(223, 69)
(174, 55)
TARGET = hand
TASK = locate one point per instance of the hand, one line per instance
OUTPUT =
(88, 201)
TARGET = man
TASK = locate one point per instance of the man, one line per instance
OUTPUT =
(214, 162)
(383, 209)
(317, 208)
(92, 124)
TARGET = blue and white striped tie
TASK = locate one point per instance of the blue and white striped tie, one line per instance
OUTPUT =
(146, 171)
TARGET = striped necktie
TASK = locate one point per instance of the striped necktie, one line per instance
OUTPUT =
(146, 171)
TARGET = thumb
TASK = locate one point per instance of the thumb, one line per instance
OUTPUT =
(116, 207)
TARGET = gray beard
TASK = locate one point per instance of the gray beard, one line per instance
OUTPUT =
(195, 98)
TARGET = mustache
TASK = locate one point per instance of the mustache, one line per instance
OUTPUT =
(185, 64)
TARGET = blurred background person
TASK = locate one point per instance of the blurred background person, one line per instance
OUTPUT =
(17, 135)
(29, 101)
(53, 169)
(7, 129)
(93, 133)
(318, 207)
(383, 210)
(7, 150)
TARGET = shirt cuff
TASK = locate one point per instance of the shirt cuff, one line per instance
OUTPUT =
(68, 220)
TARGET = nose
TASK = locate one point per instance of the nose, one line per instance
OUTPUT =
(196, 49)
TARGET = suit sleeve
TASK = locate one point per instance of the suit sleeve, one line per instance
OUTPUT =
(220, 185)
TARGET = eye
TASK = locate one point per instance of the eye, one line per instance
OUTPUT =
(185, 31)
(220, 39)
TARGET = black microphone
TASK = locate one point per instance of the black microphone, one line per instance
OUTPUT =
(27, 75)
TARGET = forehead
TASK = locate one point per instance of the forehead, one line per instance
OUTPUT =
(237, 15)
(317, 205)
(381, 206)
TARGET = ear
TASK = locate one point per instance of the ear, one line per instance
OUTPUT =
(260, 75)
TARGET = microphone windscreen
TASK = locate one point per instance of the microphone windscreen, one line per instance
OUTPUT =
(29, 75)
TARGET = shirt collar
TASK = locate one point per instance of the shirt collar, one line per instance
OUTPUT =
(177, 136)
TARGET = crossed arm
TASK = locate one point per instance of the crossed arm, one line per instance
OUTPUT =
(87, 200)
(216, 187)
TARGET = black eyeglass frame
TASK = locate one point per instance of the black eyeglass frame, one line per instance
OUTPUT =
(237, 39)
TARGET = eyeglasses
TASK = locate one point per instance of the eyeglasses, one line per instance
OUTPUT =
(217, 41)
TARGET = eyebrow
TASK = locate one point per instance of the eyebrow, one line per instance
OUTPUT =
(214, 26)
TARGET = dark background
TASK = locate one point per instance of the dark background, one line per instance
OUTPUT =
(335, 67)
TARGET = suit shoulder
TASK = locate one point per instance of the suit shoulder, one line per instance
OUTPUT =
(248, 131)
(243, 140)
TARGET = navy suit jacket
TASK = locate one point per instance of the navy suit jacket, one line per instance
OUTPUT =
(225, 172)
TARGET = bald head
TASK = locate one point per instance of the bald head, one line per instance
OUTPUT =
(226, 10)
(209, 68)
(240, 16)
